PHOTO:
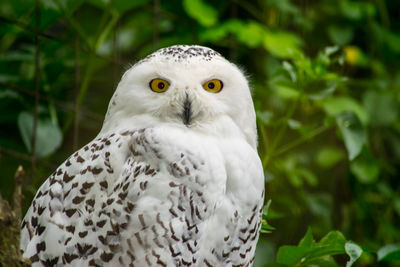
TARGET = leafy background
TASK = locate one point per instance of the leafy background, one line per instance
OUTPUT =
(326, 86)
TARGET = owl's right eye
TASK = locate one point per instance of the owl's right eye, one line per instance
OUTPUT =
(159, 85)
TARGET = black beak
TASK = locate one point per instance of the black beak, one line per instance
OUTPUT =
(187, 111)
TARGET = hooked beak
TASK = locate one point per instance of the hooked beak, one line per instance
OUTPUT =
(187, 110)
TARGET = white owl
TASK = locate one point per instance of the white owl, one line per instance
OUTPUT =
(172, 179)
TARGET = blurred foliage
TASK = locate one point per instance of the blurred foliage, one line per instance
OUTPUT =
(326, 90)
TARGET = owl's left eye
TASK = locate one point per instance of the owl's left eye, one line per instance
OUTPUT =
(159, 85)
(213, 86)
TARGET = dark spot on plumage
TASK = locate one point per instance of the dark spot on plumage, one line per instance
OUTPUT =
(40, 210)
(40, 229)
(87, 185)
(52, 181)
(83, 234)
(104, 184)
(68, 163)
(225, 254)
(173, 212)
(69, 257)
(80, 159)
(208, 264)
(125, 187)
(77, 200)
(88, 222)
(67, 178)
(90, 202)
(34, 258)
(103, 205)
(129, 207)
(95, 156)
(74, 185)
(102, 239)
(110, 201)
(83, 249)
(122, 195)
(251, 218)
(70, 212)
(172, 184)
(59, 171)
(143, 185)
(150, 171)
(119, 201)
(235, 248)
(67, 240)
(70, 229)
(49, 262)
(96, 170)
(85, 170)
(173, 253)
(111, 233)
(34, 221)
(40, 246)
(101, 223)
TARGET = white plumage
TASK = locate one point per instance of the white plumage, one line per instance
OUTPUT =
(172, 179)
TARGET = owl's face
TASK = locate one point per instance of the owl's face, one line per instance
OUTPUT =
(192, 87)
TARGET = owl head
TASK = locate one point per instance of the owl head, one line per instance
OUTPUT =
(191, 87)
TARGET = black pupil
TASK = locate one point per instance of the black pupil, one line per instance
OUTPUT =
(211, 85)
(160, 85)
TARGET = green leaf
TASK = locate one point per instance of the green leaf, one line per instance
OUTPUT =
(337, 105)
(290, 255)
(289, 68)
(389, 253)
(48, 135)
(202, 12)
(250, 34)
(327, 157)
(365, 169)
(354, 134)
(354, 252)
(282, 44)
(308, 240)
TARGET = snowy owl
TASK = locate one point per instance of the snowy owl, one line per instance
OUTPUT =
(172, 179)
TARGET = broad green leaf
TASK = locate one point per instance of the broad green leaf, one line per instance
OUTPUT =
(327, 157)
(365, 169)
(353, 132)
(201, 11)
(250, 34)
(354, 252)
(289, 68)
(48, 135)
(282, 44)
(334, 239)
(382, 107)
(389, 253)
(308, 239)
(337, 105)
(290, 255)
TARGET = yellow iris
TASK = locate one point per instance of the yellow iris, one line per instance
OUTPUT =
(213, 86)
(159, 85)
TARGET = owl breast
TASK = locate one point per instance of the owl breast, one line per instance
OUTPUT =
(156, 196)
